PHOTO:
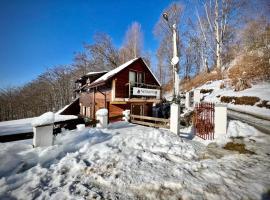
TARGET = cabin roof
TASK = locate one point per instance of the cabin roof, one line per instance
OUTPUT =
(91, 74)
(94, 73)
(113, 72)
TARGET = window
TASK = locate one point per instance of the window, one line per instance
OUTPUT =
(132, 77)
(140, 77)
(136, 77)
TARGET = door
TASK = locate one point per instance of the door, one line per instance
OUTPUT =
(137, 109)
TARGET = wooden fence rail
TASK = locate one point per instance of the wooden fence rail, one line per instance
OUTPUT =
(150, 121)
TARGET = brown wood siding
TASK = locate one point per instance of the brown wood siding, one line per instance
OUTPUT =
(85, 99)
(117, 109)
(95, 99)
(122, 78)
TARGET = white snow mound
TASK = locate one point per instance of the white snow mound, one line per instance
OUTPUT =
(44, 119)
(102, 112)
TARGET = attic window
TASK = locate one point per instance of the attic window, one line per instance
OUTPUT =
(136, 77)
(132, 77)
(140, 77)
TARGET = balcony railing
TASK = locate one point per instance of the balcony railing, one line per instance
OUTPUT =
(131, 85)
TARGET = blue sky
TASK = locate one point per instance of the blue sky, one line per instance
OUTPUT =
(35, 34)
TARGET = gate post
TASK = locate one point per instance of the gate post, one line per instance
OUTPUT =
(43, 130)
(187, 103)
(220, 119)
(174, 118)
(197, 96)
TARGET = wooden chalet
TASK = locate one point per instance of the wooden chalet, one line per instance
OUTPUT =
(130, 86)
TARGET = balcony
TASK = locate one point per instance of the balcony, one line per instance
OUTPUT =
(142, 91)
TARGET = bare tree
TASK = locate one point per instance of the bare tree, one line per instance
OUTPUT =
(219, 21)
(256, 34)
(82, 63)
(133, 43)
(102, 53)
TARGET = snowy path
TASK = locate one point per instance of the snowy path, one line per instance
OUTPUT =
(129, 161)
(261, 124)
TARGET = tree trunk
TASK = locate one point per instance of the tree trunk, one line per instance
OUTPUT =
(218, 42)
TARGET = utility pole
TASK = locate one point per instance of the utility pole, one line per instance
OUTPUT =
(174, 62)
(175, 59)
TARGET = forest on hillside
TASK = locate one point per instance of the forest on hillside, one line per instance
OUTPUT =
(215, 35)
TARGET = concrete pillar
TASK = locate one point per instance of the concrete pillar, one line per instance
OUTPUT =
(80, 127)
(126, 114)
(187, 100)
(102, 117)
(43, 130)
(43, 135)
(174, 118)
(220, 119)
(197, 96)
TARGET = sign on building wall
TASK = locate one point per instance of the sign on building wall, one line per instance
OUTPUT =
(146, 92)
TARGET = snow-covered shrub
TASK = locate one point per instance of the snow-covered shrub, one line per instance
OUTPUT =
(244, 100)
(242, 84)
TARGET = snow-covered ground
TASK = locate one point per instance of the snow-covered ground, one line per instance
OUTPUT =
(128, 161)
(261, 90)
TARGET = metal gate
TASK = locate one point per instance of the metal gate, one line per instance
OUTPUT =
(204, 120)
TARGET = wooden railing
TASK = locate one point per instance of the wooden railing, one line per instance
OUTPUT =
(140, 85)
(150, 121)
(67, 124)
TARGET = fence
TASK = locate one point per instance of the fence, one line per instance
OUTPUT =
(150, 121)
(67, 124)
(204, 120)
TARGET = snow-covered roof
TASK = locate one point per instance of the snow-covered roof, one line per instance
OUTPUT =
(120, 68)
(93, 73)
(114, 71)
(59, 112)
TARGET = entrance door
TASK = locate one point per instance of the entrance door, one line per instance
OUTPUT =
(137, 109)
